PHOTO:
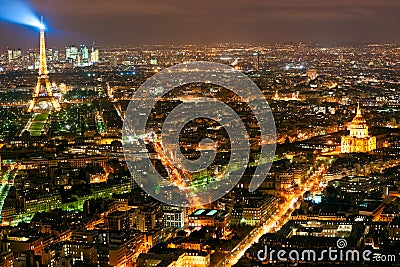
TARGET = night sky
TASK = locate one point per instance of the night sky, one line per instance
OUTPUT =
(134, 22)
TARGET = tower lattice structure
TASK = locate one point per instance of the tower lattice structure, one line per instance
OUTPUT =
(43, 90)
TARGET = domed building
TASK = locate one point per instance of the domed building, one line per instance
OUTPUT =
(359, 140)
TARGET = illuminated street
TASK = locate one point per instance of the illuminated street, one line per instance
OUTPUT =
(7, 180)
(279, 218)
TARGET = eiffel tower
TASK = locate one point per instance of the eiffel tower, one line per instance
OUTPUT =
(42, 92)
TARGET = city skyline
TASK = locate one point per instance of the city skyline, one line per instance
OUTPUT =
(232, 154)
(181, 22)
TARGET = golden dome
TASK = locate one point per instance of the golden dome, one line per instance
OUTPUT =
(359, 119)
